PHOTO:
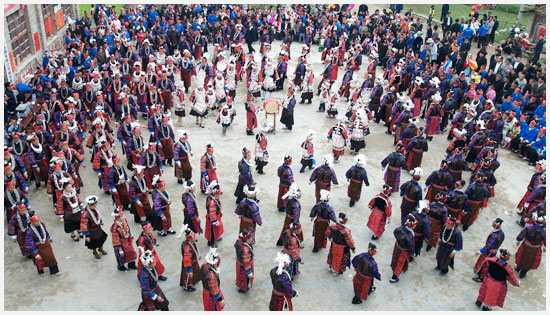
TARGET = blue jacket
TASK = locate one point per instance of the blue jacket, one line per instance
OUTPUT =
(483, 30)
(468, 32)
(539, 112)
(539, 143)
(530, 134)
(506, 106)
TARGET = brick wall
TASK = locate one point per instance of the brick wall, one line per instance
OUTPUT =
(39, 41)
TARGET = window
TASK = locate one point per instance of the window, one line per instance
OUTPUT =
(47, 13)
(68, 10)
(19, 35)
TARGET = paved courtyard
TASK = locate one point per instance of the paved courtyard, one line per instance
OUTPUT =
(90, 284)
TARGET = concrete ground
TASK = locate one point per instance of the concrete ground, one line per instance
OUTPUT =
(90, 284)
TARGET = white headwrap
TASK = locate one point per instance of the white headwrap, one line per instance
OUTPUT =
(212, 256)
(327, 160)
(293, 191)
(361, 160)
(146, 257)
(325, 195)
(281, 260)
(416, 172)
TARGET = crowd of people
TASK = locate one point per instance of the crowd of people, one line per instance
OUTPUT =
(140, 64)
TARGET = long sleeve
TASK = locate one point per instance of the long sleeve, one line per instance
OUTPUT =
(29, 242)
(146, 290)
(313, 212)
(84, 223)
(115, 236)
(333, 177)
(288, 285)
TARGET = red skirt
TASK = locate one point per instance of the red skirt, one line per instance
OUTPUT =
(167, 151)
(251, 121)
(242, 278)
(492, 292)
(337, 257)
(122, 198)
(354, 190)
(435, 230)
(417, 106)
(282, 190)
(414, 158)
(210, 304)
(280, 302)
(319, 229)
(479, 263)
(187, 281)
(213, 230)
(528, 256)
(377, 222)
(469, 218)
(129, 254)
(361, 285)
(524, 199)
(399, 260)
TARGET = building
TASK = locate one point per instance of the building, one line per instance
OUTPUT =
(29, 31)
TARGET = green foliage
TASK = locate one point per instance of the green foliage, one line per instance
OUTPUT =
(88, 7)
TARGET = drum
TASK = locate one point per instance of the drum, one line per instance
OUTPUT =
(271, 106)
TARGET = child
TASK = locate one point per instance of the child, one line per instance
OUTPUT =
(230, 108)
(210, 94)
(307, 86)
(224, 119)
(325, 88)
(180, 106)
(332, 110)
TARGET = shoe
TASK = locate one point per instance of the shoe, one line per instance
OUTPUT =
(388, 132)
(191, 289)
(394, 279)
(465, 227)
(161, 233)
(441, 273)
(335, 274)
(180, 181)
(315, 249)
(477, 279)
(374, 237)
(170, 231)
(372, 290)
(518, 222)
(280, 242)
(281, 209)
(436, 268)
(356, 300)
(242, 291)
(96, 255)
(351, 203)
(132, 265)
(122, 268)
(103, 252)
(428, 248)
(411, 260)
(478, 303)
(162, 278)
(75, 238)
(485, 308)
